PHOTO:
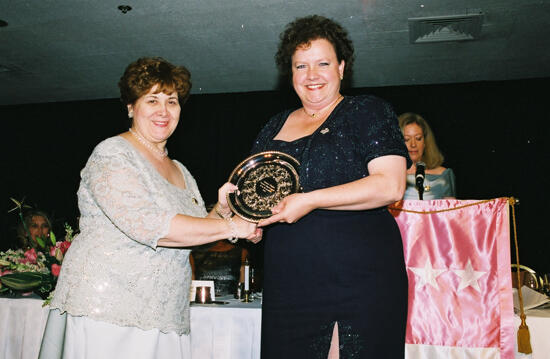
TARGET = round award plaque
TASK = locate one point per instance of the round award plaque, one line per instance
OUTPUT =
(263, 179)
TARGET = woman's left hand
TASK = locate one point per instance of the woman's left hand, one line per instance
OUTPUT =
(224, 190)
(289, 210)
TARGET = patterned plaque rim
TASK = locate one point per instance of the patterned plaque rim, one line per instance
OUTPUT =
(281, 159)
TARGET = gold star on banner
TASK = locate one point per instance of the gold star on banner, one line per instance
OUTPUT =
(469, 277)
(427, 275)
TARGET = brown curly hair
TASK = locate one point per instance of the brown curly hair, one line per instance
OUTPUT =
(146, 72)
(306, 29)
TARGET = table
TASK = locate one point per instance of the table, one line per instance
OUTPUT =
(219, 332)
(22, 322)
(230, 331)
(538, 321)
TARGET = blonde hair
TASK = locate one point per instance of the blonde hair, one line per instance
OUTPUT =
(432, 157)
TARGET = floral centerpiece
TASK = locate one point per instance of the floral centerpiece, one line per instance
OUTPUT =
(24, 271)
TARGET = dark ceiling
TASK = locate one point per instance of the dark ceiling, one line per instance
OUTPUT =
(65, 50)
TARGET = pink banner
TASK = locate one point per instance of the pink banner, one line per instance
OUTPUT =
(457, 255)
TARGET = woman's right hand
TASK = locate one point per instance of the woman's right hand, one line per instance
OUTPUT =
(247, 230)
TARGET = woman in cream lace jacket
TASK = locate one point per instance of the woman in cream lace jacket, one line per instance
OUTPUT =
(124, 284)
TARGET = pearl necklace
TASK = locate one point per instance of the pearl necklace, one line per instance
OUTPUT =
(148, 144)
(332, 105)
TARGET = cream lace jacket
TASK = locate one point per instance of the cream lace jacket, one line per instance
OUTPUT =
(114, 271)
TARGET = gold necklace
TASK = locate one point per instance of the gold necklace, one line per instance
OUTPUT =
(148, 144)
(332, 105)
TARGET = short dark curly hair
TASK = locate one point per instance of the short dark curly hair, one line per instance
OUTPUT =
(306, 29)
(143, 74)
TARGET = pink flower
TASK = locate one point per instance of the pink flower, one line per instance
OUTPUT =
(59, 250)
(56, 268)
(64, 246)
(31, 256)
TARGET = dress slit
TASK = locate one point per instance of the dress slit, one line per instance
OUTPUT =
(334, 351)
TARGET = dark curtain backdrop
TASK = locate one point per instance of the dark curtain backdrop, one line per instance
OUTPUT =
(491, 133)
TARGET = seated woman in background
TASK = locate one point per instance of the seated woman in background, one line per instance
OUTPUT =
(222, 264)
(439, 181)
(36, 223)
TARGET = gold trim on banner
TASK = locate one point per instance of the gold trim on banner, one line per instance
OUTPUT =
(444, 210)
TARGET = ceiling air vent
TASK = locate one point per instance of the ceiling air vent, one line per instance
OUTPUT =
(445, 28)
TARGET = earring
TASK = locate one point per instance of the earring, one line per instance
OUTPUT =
(130, 114)
(341, 78)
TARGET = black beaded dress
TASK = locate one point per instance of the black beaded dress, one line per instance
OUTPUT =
(336, 266)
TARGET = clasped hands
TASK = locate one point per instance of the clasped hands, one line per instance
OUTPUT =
(289, 210)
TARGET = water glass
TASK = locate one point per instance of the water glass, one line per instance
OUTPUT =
(530, 281)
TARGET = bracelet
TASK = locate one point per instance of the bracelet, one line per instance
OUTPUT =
(217, 210)
(235, 237)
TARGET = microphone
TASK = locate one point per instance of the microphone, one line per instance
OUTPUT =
(419, 178)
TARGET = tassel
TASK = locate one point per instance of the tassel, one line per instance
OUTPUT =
(524, 338)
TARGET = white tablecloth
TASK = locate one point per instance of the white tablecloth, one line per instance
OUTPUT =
(22, 323)
(538, 321)
(217, 331)
(230, 331)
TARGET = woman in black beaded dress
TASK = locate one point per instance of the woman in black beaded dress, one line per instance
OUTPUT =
(334, 276)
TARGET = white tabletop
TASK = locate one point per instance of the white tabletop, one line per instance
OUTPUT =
(538, 321)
